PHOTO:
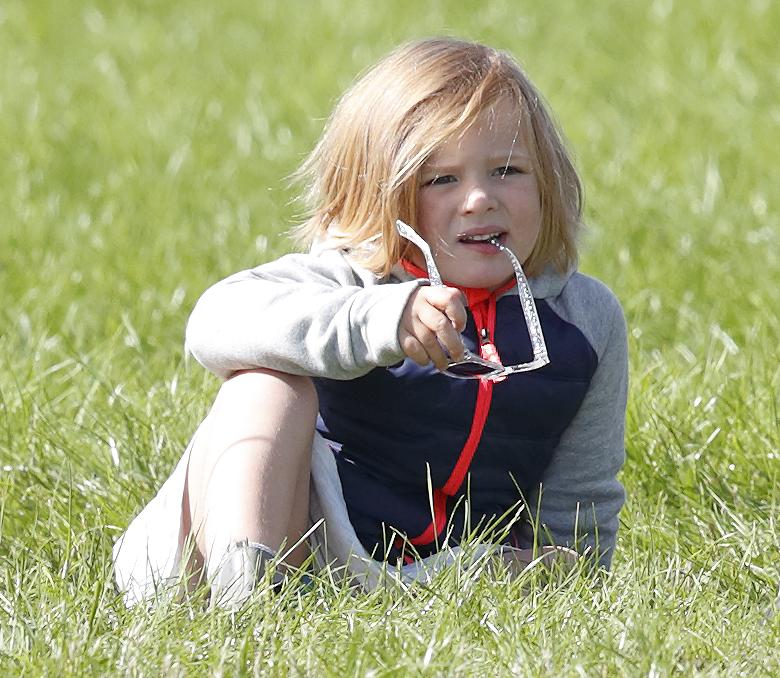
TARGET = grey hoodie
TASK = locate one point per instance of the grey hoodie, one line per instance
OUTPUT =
(321, 315)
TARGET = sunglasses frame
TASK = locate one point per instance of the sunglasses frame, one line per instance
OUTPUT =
(498, 371)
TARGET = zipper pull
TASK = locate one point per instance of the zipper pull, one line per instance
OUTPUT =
(487, 349)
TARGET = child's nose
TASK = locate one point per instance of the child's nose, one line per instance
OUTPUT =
(477, 200)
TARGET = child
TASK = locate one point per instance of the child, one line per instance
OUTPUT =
(360, 391)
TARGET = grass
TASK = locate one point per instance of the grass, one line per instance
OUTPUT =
(146, 147)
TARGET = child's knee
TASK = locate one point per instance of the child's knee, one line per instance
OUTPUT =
(263, 391)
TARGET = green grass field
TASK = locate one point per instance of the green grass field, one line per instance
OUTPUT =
(145, 148)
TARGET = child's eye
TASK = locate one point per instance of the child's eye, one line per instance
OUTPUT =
(440, 180)
(506, 170)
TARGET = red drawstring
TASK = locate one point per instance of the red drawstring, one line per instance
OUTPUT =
(482, 304)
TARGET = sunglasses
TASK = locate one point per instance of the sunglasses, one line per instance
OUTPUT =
(473, 366)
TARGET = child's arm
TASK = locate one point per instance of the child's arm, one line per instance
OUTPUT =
(319, 316)
(303, 314)
(581, 496)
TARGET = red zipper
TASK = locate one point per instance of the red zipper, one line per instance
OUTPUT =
(485, 320)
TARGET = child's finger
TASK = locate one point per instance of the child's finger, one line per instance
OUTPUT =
(440, 339)
(428, 326)
(445, 316)
(427, 332)
(449, 301)
(414, 349)
(422, 347)
(454, 308)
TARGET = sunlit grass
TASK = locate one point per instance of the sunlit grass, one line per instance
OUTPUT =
(147, 147)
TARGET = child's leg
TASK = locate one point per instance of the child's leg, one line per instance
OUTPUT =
(248, 476)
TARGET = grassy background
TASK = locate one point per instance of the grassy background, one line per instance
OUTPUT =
(144, 151)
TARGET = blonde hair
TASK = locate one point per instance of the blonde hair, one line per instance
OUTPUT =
(364, 172)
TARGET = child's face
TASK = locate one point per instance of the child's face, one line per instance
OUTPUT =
(476, 185)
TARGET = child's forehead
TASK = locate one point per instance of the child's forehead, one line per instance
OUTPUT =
(498, 127)
(500, 118)
(503, 111)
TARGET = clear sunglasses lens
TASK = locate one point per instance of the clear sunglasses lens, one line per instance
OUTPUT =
(469, 369)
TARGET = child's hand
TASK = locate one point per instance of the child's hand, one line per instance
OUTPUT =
(431, 325)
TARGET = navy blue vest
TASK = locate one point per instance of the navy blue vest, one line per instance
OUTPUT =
(395, 427)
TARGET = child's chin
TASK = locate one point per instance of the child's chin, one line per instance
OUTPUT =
(488, 282)
(492, 277)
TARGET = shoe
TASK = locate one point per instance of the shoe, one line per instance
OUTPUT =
(238, 573)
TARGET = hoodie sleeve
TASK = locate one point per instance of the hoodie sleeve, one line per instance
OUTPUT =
(580, 495)
(304, 314)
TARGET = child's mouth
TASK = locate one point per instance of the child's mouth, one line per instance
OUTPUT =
(484, 239)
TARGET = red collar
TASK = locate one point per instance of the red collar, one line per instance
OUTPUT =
(474, 295)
